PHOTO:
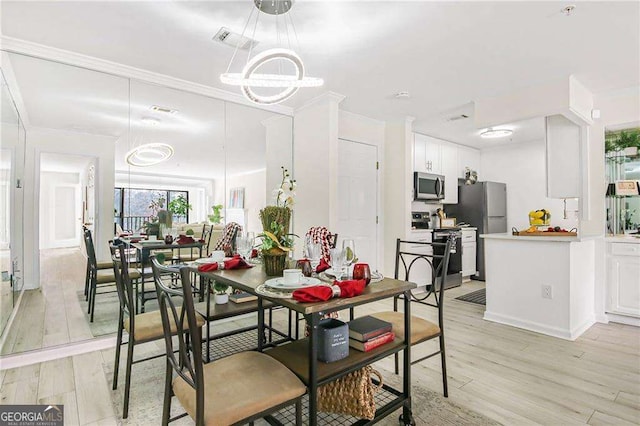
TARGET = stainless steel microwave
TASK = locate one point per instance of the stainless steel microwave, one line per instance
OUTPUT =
(427, 186)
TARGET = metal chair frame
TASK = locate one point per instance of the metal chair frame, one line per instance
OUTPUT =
(91, 284)
(189, 363)
(438, 276)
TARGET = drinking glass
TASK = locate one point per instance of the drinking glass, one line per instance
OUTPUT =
(314, 252)
(338, 262)
(361, 271)
(244, 245)
(349, 247)
(305, 265)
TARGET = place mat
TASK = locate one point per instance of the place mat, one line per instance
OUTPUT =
(478, 297)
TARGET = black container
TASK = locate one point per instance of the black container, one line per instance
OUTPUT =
(333, 340)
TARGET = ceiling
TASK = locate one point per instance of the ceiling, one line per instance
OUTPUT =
(64, 97)
(63, 163)
(446, 54)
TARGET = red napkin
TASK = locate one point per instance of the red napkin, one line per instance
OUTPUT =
(183, 239)
(236, 262)
(323, 266)
(349, 288)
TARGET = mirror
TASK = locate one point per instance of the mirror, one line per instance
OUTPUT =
(82, 124)
(622, 153)
(12, 149)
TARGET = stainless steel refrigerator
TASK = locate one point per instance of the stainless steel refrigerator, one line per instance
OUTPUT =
(483, 205)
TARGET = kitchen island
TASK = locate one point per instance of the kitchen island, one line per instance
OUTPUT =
(540, 283)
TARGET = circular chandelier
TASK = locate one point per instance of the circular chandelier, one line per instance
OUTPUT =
(149, 154)
(496, 133)
(250, 77)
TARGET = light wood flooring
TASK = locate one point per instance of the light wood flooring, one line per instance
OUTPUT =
(513, 376)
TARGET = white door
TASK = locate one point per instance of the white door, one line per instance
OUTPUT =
(65, 216)
(358, 199)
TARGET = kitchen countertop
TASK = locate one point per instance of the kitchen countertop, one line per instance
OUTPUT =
(622, 239)
(558, 239)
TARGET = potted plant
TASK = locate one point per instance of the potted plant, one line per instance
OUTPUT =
(626, 142)
(179, 207)
(216, 217)
(277, 242)
(221, 296)
(159, 220)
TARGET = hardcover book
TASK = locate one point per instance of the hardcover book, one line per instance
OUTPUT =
(373, 343)
(367, 327)
(242, 297)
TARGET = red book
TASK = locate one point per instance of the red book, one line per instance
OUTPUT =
(371, 344)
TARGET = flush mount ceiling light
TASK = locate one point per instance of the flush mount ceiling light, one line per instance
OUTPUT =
(496, 133)
(278, 58)
(149, 154)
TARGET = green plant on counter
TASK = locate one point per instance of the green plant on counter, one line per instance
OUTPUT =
(618, 141)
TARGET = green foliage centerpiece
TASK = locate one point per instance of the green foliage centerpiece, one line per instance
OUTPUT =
(276, 239)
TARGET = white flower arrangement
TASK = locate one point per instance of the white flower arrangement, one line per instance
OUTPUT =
(285, 194)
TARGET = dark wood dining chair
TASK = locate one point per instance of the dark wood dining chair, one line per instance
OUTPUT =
(233, 390)
(101, 265)
(422, 330)
(207, 232)
(141, 328)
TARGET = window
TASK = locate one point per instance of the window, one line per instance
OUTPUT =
(132, 206)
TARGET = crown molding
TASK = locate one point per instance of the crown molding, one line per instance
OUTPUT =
(24, 47)
(326, 97)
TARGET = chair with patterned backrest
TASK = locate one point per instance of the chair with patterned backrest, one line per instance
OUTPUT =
(141, 328)
(328, 240)
(236, 389)
(227, 241)
(422, 330)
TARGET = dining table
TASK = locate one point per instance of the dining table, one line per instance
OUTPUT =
(301, 356)
(144, 248)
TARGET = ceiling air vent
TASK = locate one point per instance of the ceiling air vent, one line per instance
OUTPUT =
(458, 117)
(226, 36)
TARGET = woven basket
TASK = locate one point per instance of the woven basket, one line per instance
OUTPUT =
(352, 394)
(274, 264)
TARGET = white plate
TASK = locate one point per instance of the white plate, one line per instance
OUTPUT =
(279, 283)
(205, 261)
(330, 272)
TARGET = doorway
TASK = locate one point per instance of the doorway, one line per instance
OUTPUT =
(358, 198)
(66, 199)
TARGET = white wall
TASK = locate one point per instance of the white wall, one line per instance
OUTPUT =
(522, 167)
(279, 147)
(255, 196)
(63, 142)
(315, 164)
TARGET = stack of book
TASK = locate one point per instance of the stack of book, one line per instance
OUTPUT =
(367, 333)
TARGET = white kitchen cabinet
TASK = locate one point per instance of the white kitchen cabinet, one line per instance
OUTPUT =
(563, 140)
(449, 168)
(468, 157)
(420, 273)
(419, 153)
(623, 279)
(432, 150)
(469, 252)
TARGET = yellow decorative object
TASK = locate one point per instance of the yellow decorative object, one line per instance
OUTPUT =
(539, 217)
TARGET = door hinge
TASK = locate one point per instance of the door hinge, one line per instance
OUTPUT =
(377, 165)
(376, 219)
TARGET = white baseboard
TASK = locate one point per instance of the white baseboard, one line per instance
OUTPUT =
(56, 352)
(623, 319)
(539, 328)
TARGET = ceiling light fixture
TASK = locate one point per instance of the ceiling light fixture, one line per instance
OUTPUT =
(250, 77)
(496, 133)
(149, 154)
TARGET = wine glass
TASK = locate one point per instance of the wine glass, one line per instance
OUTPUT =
(349, 247)
(314, 252)
(337, 262)
(244, 244)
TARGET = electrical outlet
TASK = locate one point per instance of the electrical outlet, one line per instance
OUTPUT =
(546, 292)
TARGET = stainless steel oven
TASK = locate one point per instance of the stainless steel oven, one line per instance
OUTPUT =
(427, 186)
